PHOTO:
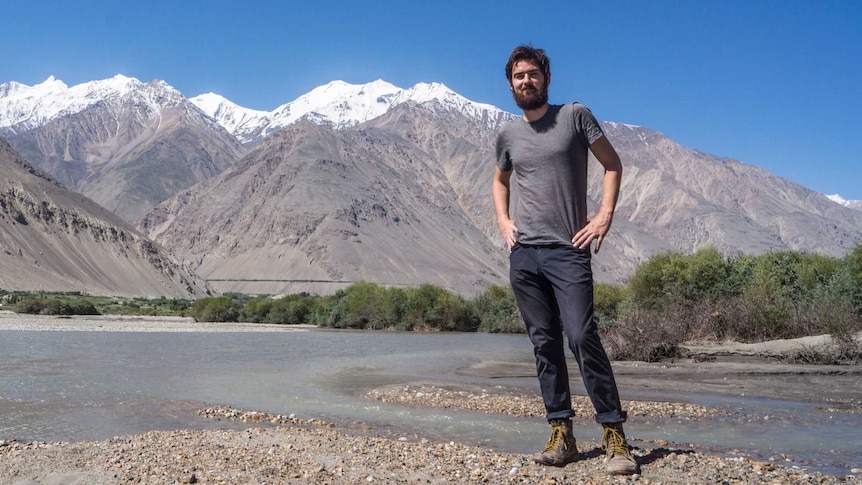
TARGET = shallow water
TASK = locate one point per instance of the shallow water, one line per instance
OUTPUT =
(72, 386)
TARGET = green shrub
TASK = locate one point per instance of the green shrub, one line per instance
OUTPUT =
(290, 309)
(55, 306)
(322, 310)
(850, 271)
(497, 311)
(216, 309)
(674, 278)
(609, 301)
(368, 305)
(430, 307)
(355, 306)
(256, 310)
(391, 305)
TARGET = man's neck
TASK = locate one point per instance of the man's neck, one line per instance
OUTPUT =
(532, 115)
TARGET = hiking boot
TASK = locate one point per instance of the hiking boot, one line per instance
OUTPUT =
(619, 457)
(561, 448)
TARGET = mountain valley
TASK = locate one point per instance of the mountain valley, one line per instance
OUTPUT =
(377, 183)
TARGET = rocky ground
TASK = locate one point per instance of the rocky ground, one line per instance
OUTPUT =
(275, 449)
(278, 449)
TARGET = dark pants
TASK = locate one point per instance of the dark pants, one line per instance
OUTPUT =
(553, 286)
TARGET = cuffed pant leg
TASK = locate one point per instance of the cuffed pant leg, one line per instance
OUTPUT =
(568, 269)
(535, 298)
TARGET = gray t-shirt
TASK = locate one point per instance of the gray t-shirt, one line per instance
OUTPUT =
(549, 157)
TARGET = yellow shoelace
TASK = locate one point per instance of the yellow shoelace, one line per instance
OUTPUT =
(556, 437)
(614, 441)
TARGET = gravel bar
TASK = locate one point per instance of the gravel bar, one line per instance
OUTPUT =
(278, 449)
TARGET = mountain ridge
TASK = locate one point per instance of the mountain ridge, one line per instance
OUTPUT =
(341, 105)
(375, 182)
(313, 204)
(125, 144)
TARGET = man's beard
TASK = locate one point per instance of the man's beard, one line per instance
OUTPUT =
(531, 99)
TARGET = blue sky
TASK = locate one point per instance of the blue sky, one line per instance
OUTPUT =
(777, 84)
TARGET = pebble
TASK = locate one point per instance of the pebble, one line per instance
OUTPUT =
(311, 451)
(527, 406)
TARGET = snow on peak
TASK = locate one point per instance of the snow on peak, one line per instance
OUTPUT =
(337, 103)
(234, 118)
(25, 107)
(210, 103)
(853, 204)
(20, 103)
(341, 104)
(423, 92)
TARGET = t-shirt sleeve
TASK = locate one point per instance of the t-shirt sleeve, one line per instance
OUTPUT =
(504, 161)
(586, 124)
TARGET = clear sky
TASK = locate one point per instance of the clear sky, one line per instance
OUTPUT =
(772, 83)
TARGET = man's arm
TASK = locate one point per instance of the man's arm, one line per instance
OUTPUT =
(500, 192)
(598, 227)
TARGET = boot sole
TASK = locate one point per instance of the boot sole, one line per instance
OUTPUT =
(557, 464)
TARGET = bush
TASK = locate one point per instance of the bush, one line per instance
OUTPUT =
(496, 310)
(55, 306)
(429, 307)
(848, 279)
(354, 306)
(646, 334)
(256, 310)
(837, 352)
(290, 309)
(370, 306)
(750, 298)
(609, 301)
(674, 278)
(216, 309)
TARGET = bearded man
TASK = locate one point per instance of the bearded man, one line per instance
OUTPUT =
(549, 241)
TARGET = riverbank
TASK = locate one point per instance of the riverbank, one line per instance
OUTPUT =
(286, 450)
(125, 323)
(297, 450)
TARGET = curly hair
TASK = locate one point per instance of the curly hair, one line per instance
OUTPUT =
(531, 54)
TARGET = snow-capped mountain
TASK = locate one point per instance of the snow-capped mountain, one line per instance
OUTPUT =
(853, 204)
(123, 143)
(25, 107)
(387, 167)
(342, 105)
(236, 119)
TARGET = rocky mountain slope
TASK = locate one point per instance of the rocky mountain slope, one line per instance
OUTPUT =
(378, 183)
(401, 198)
(125, 144)
(55, 240)
(313, 209)
(691, 199)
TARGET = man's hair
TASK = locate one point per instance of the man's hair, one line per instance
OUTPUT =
(531, 54)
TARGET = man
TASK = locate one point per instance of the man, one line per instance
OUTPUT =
(549, 242)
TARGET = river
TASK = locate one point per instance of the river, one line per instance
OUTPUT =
(92, 385)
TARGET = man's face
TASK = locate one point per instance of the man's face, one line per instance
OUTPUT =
(529, 86)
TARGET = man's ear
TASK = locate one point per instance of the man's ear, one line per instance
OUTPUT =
(548, 81)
